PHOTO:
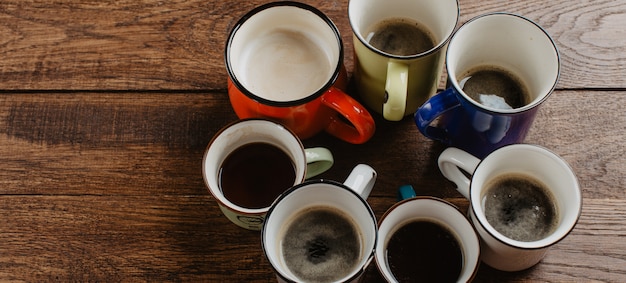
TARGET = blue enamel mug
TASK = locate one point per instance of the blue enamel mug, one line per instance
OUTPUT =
(501, 67)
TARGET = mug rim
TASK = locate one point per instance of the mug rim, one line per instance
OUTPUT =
(433, 198)
(428, 52)
(501, 238)
(530, 106)
(331, 81)
(370, 255)
(222, 200)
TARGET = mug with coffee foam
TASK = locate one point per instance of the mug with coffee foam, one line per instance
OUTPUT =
(426, 239)
(399, 49)
(501, 68)
(248, 163)
(523, 199)
(285, 63)
(322, 230)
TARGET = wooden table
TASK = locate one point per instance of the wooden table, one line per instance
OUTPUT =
(106, 108)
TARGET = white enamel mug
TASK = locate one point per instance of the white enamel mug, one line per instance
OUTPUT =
(348, 198)
(498, 250)
(307, 162)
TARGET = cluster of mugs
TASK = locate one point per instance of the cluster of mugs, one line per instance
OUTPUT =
(287, 82)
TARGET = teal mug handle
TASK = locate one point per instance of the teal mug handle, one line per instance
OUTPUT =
(406, 192)
(318, 161)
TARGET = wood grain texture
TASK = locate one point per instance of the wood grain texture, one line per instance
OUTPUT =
(108, 187)
(124, 135)
(178, 45)
(106, 109)
(185, 238)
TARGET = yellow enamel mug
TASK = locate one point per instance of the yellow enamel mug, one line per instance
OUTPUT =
(391, 83)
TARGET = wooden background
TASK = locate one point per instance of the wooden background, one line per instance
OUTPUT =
(106, 108)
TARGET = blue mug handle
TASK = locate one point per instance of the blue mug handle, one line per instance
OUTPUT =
(433, 108)
(406, 192)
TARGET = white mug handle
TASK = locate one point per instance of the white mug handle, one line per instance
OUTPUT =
(451, 161)
(361, 180)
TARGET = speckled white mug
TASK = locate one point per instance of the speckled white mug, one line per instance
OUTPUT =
(348, 199)
(498, 250)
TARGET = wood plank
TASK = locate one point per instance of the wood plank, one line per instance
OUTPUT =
(63, 45)
(124, 142)
(107, 144)
(104, 238)
(121, 45)
(185, 238)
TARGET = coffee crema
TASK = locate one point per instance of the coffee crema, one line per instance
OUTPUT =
(400, 36)
(495, 87)
(253, 175)
(285, 65)
(424, 250)
(520, 207)
(321, 244)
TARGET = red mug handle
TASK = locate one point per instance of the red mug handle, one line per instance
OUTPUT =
(361, 127)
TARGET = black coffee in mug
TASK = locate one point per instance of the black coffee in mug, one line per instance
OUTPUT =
(321, 244)
(424, 250)
(494, 87)
(520, 207)
(400, 36)
(253, 175)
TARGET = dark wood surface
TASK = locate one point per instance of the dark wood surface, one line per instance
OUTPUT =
(106, 108)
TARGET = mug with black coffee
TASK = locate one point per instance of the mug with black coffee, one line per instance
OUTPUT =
(523, 199)
(426, 239)
(322, 230)
(250, 162)
(501, 68)
(399, 49)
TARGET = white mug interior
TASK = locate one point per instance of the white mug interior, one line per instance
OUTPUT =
(318, 193)
(272, 18)
(507, 41)
(542, 165)
(435, 15)
(245, 132)
(436, 210)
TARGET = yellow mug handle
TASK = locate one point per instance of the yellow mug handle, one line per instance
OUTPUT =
(396, 87)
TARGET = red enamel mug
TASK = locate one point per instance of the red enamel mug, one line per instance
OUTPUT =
(285, 63)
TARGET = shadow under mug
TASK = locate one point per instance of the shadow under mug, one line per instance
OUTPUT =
(503, 41)
(430, 209)
(306, 162)
(391, 84)
(528, 162)
(319, 243)
(285, 63)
